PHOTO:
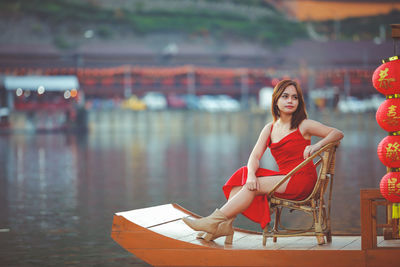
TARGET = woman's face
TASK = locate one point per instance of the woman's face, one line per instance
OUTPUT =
(288, 101)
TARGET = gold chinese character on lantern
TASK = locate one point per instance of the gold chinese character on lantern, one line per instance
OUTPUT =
(384, 81)
(391, 117)
(393, 186)
(392, 151)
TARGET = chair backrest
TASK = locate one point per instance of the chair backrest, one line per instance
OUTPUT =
(325, 164)
(326, 170)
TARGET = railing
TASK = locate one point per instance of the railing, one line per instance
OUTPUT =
(370, 200)
(126, 79)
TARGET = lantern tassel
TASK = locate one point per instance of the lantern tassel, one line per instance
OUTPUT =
(395, 210)
(396, 215)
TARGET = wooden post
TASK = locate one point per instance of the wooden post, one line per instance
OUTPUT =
(395, 36)
(191, 77)
(244, 88)
(127, 81)
(367, 238)
(395, 30)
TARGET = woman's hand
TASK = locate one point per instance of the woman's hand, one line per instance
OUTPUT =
(309, 150)
(252, 183)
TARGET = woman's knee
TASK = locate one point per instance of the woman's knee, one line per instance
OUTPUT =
(234, 191)
(248, 191)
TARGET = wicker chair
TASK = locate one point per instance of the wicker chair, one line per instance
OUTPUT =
(314, 205)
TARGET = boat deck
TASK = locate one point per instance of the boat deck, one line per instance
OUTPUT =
(158, 236)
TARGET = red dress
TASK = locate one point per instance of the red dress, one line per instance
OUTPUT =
(288, 153)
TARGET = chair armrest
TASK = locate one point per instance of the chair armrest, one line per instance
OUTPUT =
(301, 165)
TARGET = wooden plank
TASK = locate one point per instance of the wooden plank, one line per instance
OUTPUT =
(240, 241)
(390, 243)
(247, 241)
(255, 242)
(268, 258)
(289, 242)
(339, 243)
(139, 237)
(151, 216)
(192, 239)
(297, 243)
(175, 229)
(382, 257)
(303, 243)
(355, 245)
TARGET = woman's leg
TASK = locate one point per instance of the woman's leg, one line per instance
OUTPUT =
(234, 191)
(220, 222)
(243, 198)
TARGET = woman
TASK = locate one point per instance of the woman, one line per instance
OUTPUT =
(288, 136)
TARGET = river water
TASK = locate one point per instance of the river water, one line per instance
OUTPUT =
(58, 192)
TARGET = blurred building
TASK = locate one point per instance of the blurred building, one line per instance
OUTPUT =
(332, 54)
(319, 10)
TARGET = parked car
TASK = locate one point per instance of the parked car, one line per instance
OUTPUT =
(98, 103)
(219, 103)
(209, 103)
(133, 103)
(191, 101)
(176, 102)
(228, 103)
(352, 104)
(155, 101)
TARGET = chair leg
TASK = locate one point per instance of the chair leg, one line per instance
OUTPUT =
(329, 237)
(318, 232)
(328, 227)
(265, 232)
(276, 223)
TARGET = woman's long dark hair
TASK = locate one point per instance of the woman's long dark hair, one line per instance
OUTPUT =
(300, 114)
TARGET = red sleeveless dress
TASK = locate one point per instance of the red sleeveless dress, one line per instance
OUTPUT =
(288, 153)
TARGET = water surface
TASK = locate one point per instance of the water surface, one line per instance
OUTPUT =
(58, 192)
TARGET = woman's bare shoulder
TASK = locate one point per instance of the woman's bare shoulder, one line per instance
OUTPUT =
(306, 123)
(267, 128)
(315, 128)
(306, 127)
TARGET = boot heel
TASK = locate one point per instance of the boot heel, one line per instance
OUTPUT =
(208, 237)
(229, 239)
(200, 235)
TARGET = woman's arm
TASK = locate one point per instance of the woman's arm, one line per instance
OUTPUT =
(254, 159)
(314, 128)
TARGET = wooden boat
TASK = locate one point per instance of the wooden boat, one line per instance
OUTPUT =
(158, 236)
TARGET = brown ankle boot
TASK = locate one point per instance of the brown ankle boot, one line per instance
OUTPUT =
(224, 229)
(207, 224)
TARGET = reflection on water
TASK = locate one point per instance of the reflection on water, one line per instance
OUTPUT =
(58, 192)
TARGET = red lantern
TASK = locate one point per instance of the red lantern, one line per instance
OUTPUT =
(386, 78)
(388, 115)
(389, 151)
(390, 186)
